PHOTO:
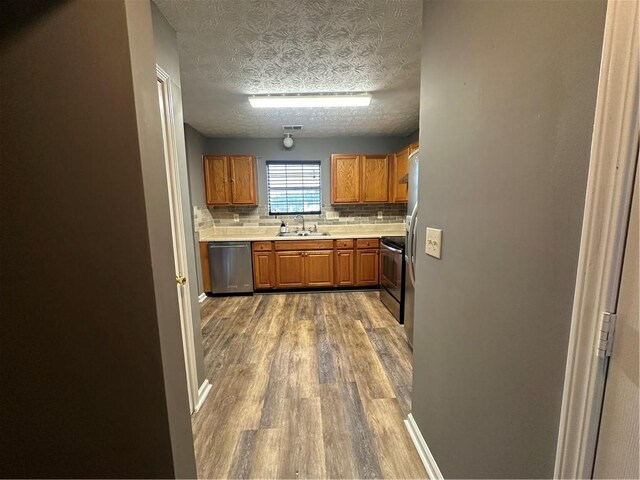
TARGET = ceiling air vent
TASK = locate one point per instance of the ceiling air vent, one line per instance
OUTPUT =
(291, 128)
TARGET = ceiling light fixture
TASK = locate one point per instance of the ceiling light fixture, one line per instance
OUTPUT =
(305, 101)
(287, 141)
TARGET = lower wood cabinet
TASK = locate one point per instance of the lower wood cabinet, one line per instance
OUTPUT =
(263, 270)
(318, 268)
(289, 269)
(345, 268)
(304, 269)
(204, 267)
(315, 264)
(367, 266)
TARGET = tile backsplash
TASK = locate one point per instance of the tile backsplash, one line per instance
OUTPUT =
(206, 217)
(202, 218)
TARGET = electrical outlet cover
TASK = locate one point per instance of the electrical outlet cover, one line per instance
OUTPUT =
(236, 217)
(433, 245)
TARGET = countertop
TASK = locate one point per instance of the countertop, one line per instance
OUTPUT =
(263, 234)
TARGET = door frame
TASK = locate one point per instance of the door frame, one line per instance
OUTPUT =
(165, 95)
(614, 154)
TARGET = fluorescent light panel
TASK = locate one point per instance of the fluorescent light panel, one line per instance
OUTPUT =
(305, 101)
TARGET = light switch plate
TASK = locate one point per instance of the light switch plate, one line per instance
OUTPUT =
(433, 245)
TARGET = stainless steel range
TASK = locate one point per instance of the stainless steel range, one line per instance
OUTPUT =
(392, 275)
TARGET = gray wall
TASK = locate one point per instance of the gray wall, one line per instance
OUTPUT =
(166, 46)
(93, 382)
(508, 95)
(195, 147)
(303, 149)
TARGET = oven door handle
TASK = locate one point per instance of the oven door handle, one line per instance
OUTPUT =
(395, 250)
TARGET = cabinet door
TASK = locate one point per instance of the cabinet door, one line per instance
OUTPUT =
(345, 179)
(216, 180)
(318, 268)
(263, 270)
(367, 267)
(204, 267)
(289, 269)
(345, 268)
(243, 180)
(398, 192)
(374, 171)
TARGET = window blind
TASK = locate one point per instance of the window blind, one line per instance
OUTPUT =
(294, 187)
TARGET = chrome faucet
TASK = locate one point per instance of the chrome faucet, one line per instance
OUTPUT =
(300, 217)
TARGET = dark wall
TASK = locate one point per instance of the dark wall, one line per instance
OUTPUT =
(508, 94)
(91, 383)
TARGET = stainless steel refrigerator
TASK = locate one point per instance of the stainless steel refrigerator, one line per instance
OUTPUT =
(410, 245)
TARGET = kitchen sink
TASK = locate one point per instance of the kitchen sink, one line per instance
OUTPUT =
(304, 234)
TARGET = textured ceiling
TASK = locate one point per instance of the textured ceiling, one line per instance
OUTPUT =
(230, 49)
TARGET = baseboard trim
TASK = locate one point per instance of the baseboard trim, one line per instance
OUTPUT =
(202, 297)
(428, 461)
(203, 392)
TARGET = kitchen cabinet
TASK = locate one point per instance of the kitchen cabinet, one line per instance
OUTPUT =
(230, 180)
(367, 267)
(345, 179)
(345, 268)
(302, 264)
(318, 268)
(299, 264)
(216, 180)
(359, 178)
(398, 168)
(374, 178)
(263, 266)
(242, 171)
(289, 269)
(367, 262)
(204, 267)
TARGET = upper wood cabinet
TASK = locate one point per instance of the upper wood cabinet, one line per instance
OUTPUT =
(359, 178)
(243, 180)
(230, 180)
(375, 178)
(345, 179)
(399, 192)
(399, 167)
(217, 186)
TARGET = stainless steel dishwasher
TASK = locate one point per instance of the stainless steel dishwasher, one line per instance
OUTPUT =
(230, 265)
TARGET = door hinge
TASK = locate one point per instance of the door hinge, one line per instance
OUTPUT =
(606, 333)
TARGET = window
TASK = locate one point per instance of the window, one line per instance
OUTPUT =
(293, 187)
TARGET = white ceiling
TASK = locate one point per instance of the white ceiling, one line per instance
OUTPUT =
(230, 49)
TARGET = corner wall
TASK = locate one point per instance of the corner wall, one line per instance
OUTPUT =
(508, 94)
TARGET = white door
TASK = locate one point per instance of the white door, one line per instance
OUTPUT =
(179, 250)
(618, 446)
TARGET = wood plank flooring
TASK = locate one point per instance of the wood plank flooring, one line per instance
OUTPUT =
(311, 385)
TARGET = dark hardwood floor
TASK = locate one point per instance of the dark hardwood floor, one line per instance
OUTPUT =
(312, 385)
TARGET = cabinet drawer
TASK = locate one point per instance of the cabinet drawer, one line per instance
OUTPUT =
(368, 242)
(262, 246)
(343, 244)
(304, 245)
